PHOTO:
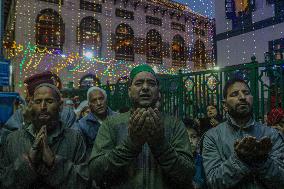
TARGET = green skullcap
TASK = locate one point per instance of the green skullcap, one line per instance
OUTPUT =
(141, 68)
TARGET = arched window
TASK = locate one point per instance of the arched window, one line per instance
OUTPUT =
(124, 46)
(178, 51)
(49, 30)
(154, 47)
(199, 55)
(90, 37)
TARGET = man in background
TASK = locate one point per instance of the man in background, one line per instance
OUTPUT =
(99, 111)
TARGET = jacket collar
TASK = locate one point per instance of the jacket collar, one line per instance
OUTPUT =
(51, 136)
(233, 123)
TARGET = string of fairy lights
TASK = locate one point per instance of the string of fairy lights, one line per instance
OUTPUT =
(63, 60)
(30, 58)
(256, 41)
(204, 7)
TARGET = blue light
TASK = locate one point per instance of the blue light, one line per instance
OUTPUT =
(89, 54)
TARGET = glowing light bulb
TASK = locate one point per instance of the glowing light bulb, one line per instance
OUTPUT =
(89, 54)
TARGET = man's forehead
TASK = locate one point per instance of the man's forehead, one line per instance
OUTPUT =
(211, 107)
(144, 76)
(44, 91)
(96, 93)
(238, 86)
(192, 131)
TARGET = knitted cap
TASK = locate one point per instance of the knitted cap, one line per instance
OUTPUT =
(141, 68)
(33, 81)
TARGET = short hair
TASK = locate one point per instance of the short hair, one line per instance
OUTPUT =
(92, 89)
(190, 124)
(232, 81)
(212, 104)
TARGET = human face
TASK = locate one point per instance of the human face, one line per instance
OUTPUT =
(211, 111)
(45, 106)
(144, 90)
(193, 137)
(97, 103)
(239, 101)
(77, 100)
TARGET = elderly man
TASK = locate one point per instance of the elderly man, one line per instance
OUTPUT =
(21, 117)
(142, 148)
(242, 153)
(99, 111)
(44, 154)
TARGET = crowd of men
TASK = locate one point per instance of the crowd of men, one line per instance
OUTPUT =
(45, 145)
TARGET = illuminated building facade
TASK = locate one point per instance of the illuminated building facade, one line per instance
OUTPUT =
(248, 27)
(105, 39)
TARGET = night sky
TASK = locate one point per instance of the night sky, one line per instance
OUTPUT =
(204, 7)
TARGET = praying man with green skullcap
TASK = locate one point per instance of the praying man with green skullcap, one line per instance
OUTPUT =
(142, 148)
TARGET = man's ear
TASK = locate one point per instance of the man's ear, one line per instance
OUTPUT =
(224, 103)
(129, 92)
(158, 103)
(61, 105)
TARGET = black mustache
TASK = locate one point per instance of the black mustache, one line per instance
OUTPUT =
(145, 95)
(240, 104)
(43, 113)
(99, 107)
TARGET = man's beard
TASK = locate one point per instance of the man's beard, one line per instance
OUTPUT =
(236, 114)
(49, 122)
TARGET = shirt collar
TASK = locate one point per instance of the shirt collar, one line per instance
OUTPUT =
(92, 117)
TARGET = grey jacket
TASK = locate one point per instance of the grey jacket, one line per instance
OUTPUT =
(68, 170)
(224, 169)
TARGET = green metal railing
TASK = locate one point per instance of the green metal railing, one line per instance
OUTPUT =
(188, 94)
(266, 81)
